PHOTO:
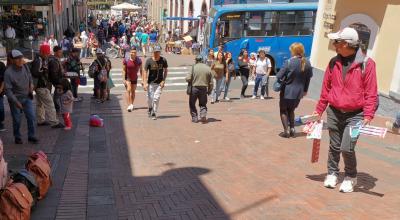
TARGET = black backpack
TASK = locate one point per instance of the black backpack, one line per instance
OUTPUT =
(25, 177)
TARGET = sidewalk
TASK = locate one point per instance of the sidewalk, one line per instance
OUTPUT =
(235, 167)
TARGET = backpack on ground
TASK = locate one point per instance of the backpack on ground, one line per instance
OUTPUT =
(39, 166)
(3, 167)
(25, 177)
(15, 202)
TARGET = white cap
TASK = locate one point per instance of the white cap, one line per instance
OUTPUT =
(347, 34)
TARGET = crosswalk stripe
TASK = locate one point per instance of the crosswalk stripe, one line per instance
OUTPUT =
(138, 85)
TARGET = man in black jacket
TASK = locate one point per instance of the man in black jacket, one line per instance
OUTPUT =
(45, 105)
(55, 74)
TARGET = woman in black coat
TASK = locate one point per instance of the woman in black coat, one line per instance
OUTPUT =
(295, 75)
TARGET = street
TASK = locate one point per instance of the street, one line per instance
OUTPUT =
(234, 167)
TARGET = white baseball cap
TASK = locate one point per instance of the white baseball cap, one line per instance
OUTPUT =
(347, 34)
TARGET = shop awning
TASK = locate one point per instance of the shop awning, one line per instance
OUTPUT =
(181, 18)
(25, 2)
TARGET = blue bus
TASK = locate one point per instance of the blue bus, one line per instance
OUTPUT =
(272, 27)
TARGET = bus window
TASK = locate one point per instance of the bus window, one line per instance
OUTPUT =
(261, 23)
(229, 27)
(296, 22)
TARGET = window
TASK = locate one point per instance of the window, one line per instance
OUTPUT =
(271, 23)
(296, 22)
(229, 27)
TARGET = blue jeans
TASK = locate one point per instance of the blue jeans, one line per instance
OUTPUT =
(217, 88)
(84, 53)
(29, 112)
(226, 86)
(261, 80)
(1, 111)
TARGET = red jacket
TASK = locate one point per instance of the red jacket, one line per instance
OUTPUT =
(357, 91)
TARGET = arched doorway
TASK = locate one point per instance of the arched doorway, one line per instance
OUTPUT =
(367, 28)
(364, 34)
(190, 15)
(170, 13)
(176, 14)
(182, 14)
(204, 13)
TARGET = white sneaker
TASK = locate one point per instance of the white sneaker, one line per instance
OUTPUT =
(330, 181)
(253, 97)
(262, 97)
(348, 185)
(227, 99)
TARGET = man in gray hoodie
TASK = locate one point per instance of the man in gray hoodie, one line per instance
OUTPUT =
(19, 90)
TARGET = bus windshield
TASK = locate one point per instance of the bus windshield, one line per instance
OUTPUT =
(229, 27)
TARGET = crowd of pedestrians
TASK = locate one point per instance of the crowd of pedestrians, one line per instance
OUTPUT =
(349, 88)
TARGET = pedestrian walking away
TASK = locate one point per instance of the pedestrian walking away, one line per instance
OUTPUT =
(220, 73)
(19, 90)
(131, 67)
(262, 69)
(155, 74)
(201, 79)
(295, 77)
(349, 90)
(45, 108)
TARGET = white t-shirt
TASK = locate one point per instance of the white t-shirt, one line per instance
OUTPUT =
(262, 66)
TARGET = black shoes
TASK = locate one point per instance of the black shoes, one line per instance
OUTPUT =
(18, 141)
(59, 125)
(44, 124)
(33, 140)
(292, 132)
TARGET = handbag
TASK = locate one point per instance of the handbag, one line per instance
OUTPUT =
(279, 83)
(189, 86)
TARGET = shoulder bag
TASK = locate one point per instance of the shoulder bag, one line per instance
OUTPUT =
(189, 86)
(280, 83)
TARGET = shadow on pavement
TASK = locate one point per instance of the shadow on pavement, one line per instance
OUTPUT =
(211, 120)
(115, 192)
(168, 116)
(365, 182)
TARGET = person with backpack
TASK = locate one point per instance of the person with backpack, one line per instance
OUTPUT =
(101, 69)
(44, 102)
(349, 92)
(18, 85)
(131, 67)
(261, 70)
(295, 76)
(155, 75)
(56, 73)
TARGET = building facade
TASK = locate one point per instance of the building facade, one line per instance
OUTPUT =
(377, 24)
(40, 18)
(158, 9)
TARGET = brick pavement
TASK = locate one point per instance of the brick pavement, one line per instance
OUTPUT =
(235, 167)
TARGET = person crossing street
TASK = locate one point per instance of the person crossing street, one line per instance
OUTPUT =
(155, 74)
